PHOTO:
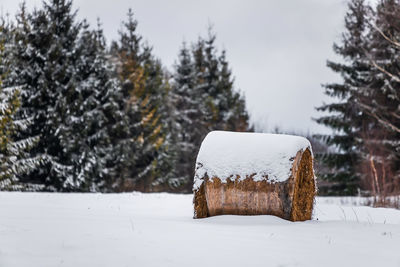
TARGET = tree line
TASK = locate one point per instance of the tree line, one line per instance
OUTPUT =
(79, 115)
(365, 110)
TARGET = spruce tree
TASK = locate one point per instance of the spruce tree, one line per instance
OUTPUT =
(144, 90)
(223, 106)
(44, 63)
(232, 106)
(158, 153)
(92, 114)
(68, 91)
(205, 100)
(187, 104)
(379, 100)
(127, 142)
(185, 115)
(14, 151)
(344, 116)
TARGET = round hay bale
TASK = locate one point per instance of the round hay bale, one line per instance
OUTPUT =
(254, 174)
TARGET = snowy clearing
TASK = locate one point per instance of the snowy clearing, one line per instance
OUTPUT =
(134, 229)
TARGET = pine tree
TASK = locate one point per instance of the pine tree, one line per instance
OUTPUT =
(365, 120)
(209, 81)
(126, 53)
(157, 152)
(205, 99)
(186, 114)
(68, 91)
(344, 116)
(6, 41)
(232, 106)
(44, 63)
(379, 100)
(144, 90)
(92, 114)
(223, 106)
(170, 177)
(14, 152)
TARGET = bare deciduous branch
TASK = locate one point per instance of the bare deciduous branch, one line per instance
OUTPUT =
(397, 116)
(369, 111)
(390, 40)
(393, 76)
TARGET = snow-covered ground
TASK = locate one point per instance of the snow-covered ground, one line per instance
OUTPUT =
(38, 229)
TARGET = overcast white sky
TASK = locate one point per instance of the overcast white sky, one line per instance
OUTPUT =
(277, 49)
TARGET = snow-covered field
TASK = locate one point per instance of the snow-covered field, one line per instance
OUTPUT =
(40, 229)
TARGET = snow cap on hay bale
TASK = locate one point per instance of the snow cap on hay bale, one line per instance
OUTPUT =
(254, 174)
